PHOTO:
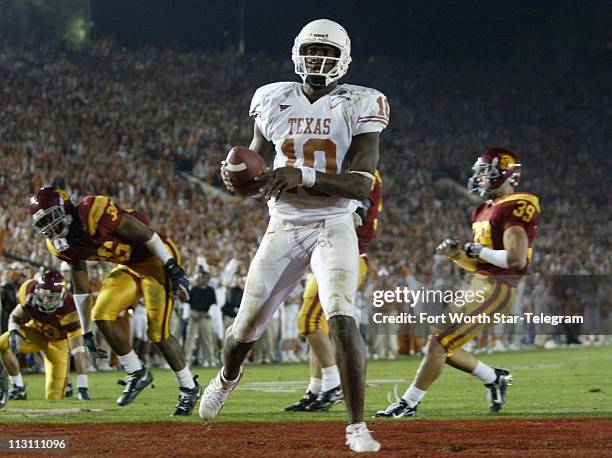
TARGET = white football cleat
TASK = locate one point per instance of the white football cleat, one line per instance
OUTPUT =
(359, 439)
(215, 395)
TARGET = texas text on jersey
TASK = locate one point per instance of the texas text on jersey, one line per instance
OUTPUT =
(316, 135)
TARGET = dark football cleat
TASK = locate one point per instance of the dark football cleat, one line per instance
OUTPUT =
(326, 400)
(496, 391)
(18, 393)
(187, 399)
(303, 403)
(83, 394)
(69, 391)
(399, 409)
(135, 382)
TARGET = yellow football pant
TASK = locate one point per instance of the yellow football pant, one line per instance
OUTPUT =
(57, 358)
(310, 317)
(497, 298)
(125, 285)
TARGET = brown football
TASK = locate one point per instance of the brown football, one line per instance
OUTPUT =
(243, 166)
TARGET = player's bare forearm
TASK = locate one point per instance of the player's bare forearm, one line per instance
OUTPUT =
(80, 278)
(82, 296)
(363, 156)
(19, 315)
(348, 185)
(75, 342)
(517, 245)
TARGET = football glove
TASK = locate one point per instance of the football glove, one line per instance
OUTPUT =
(227, 181)
(180, 282)
(472, 250)
(15, 341)
(92, 346)
(449, 247)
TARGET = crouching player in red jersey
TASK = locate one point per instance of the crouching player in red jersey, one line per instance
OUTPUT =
(96, 229)
(504, 228)
(45, 320)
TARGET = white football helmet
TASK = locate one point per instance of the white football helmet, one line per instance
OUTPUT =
(322, 31)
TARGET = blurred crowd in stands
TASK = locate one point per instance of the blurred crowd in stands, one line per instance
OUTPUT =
(149, 127)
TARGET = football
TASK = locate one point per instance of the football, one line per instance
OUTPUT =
(243, 166)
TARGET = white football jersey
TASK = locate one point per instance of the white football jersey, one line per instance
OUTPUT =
(315, 135)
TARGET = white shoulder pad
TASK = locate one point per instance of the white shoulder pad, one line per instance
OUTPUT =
(263, 100)
(371, 111)
(266, 93)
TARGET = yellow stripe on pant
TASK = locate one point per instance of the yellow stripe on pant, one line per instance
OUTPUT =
(311, 317)
(125, 285)
(497, 298)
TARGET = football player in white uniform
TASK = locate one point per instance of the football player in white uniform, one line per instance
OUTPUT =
(323, 138)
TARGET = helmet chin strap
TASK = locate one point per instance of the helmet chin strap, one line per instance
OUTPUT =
(67, 223)
(316, 81)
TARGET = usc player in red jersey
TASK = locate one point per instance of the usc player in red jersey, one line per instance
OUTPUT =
(45, 320)
(504, 229)
(324, 389)
(96, 229)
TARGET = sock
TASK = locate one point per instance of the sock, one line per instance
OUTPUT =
(315, 385)
(331, 378)
(17, 380)
(413, 395)
(485, 373)
(184, 378)
(130, 362)
(353, 427)
(229, 382)
(82, 381)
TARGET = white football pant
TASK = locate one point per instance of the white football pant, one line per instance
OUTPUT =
(329, 246)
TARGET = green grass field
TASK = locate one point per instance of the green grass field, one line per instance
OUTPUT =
(568, 383)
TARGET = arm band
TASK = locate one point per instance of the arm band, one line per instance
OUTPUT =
(498, 258)
(365, 174)
(156, 246)
(309, 176)
(13, 326)
(80, 300)
(76, 350)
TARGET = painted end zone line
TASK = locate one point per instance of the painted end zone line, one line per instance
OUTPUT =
(45, 412)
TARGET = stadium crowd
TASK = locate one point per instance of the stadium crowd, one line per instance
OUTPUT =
(149, 127)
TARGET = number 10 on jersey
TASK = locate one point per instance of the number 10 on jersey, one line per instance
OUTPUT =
(324, 145)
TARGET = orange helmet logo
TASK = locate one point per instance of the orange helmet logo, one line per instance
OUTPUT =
(506, 162)
(63, 194)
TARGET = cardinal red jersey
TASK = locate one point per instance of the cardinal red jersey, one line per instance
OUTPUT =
(489, 221)
(91, 238)
(60, 324)
(366, 231)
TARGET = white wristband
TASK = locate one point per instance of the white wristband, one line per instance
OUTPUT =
(498, 258)
(309, 176)
(80, 300)
(156, 246)
(365, 174)
(13, 326)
